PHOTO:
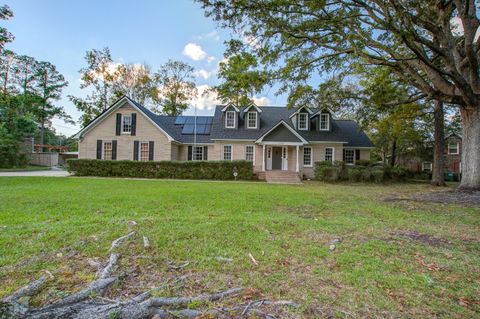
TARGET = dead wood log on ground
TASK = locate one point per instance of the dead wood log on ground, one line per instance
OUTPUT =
(89, 303)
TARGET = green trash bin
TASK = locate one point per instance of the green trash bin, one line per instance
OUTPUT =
(450, 176)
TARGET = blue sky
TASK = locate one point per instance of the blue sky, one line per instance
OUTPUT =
(142, 31)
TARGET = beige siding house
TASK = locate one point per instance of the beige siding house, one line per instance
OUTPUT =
(276, 139)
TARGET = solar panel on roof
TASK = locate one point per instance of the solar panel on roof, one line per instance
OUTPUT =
(180, 120)
(188, 129)
(201, 120)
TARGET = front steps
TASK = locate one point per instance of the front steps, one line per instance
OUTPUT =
(280, 177)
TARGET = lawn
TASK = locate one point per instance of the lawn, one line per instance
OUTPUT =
(396, 258)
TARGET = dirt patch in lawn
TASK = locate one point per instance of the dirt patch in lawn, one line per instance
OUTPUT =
(423, 238)
(305, 211)
(463, 198)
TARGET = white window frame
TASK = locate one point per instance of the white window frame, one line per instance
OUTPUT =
(425, 165)
(231, 152)
(248, 119)
(300, 121)
(333, 154)
(457, 147)
(125, 116)
(253, 153)
(227, 119)
(194, 153)
(311, 156)
(140, 151)
(327, 122)
(353, 156)
(103, 150)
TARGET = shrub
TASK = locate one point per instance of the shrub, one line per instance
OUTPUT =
(363, 163)
(338, 171)
(355, 174)
(399, 173)
(215, 170)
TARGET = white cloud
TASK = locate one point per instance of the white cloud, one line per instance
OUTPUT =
(205, 100)
(211, 58)
(262, 100)
(210, 35)
(194, 51)
(202, 73)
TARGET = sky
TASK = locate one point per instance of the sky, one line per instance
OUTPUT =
(140, 31)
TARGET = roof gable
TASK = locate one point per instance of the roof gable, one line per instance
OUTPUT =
(282, 132)
(115, 106)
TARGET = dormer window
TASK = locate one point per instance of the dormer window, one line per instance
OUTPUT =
(303, 121)
(324, 121)
(252, 120)
(230, 119)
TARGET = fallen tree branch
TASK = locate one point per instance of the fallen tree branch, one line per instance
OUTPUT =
(28, 290)
(90, 303)
(117, 242)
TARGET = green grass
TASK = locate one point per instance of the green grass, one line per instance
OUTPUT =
(59, 224)
(27, 168)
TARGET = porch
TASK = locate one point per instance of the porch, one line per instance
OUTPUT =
(280, 163)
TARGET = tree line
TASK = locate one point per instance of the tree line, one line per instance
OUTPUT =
(430, 48)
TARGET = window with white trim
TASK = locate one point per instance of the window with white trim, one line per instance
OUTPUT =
(427, 166)
(307, 156)
(143, 151)
(227, 152)
(329, 154)
(107, 150)
(350, 157)
(249, 153)
(252, 120)
(303, 121)
(126, 124)
(197, 153)
(324, 122)
(230, 119)
(453, 148)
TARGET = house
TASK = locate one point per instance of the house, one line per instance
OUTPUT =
(277, 140)
(452, 154)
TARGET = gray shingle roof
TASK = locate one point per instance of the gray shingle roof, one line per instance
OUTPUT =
(342, 130)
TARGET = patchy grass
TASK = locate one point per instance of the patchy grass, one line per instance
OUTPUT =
(26, 169)
(395, 258)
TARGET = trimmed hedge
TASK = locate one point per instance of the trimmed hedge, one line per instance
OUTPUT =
(364, 172)
(215, 170)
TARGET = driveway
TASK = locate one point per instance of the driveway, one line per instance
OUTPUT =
(53, 172)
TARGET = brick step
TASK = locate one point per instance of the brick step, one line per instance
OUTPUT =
(284, 177)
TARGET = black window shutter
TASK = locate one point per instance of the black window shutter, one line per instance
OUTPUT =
(357, 155)
(189, 153)
(99, 149)
(114, 150)
(135, 150)
(150, 150)
(119, 124)
(134, 124)
(205, 153)
(344, 155)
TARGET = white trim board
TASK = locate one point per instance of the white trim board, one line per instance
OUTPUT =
(254, 106)
(259, 140)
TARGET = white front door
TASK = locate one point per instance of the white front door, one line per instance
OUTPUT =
(285, 158)
(269, 158)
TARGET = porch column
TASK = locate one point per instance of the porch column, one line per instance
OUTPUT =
(297, 168)
(263, 159)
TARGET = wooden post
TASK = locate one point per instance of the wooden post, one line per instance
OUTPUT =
(263, 159)
(297, 167)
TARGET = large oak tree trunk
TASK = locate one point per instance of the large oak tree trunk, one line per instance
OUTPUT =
(439, 137)
(470, 148)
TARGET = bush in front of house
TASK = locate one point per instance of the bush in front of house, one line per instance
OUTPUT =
(214, 170)
(363, 171)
